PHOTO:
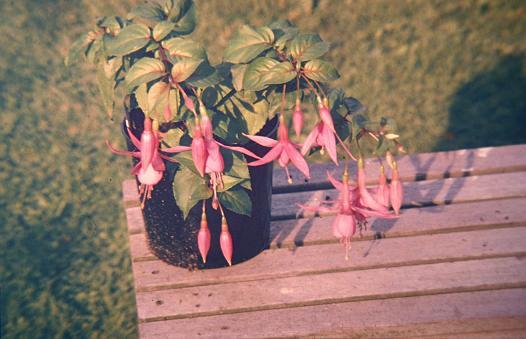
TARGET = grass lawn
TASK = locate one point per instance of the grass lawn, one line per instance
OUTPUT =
(452, 73)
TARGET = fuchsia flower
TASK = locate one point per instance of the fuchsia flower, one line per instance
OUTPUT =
(213, 161)
(297, 118)
(203, 237)
(282, 149)
(149, 170)
(225, 241)
(323, 134)
(396, 191)
(199, 152)
(353, 206)
(382, 192)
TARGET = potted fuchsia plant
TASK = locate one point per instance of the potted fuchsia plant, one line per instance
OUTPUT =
(203, 137)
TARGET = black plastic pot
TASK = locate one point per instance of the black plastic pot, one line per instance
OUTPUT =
(174, 240)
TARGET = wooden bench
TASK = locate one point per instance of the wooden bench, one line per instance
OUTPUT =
(454, 264)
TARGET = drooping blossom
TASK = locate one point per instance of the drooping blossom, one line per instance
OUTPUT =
(297, 118)
(203, 236)
(214, 164)
(353, 207)
(150, 168)
(199, 152)
(225, 241)
(396, 190)
(322, 136)
(282, 149)
(382, 192)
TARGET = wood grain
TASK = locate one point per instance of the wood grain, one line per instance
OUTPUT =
(420, 166)
(328, 288)
(435, 315)
(415, 221)
(416, 194)
(276, 263)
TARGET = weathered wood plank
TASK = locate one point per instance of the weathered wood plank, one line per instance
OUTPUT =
(420, 166)
(437, 315)
(130, 193)
(135, 220)
(421, 193)
(415, 221)
(332, 287)
(156, 275)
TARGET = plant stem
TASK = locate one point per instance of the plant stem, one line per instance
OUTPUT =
(310, 86)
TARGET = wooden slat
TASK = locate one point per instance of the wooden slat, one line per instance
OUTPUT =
(332, 287)
(130, 194)
(416, 221)
(423, 193)
(502, 311)
(430, 192)
(135, 220)
(156, 275)
(418, 167)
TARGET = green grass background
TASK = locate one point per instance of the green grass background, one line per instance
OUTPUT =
(452, 73)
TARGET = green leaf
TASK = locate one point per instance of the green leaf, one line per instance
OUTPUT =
(130, 39)
(238, 74)
(236, 200)
(183, 69)
(238, 167)
(280, 74)
(254, 79)
(248, 43)
(141, 95)
(150, 12)
(285, 37)
(111, 67)
(162, 29)
(158, 100)
(112, 24)
(106, 90)
(229, 182)
(77, 50)
(306, 47)
(189, 189)
(183, 14)
(179, 48)
(320, 70)
(204, 76)
(144, 70)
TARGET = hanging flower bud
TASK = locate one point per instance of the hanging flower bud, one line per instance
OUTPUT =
(382, 193)
(225, 240)
(199, 152)
(203, 237)
(167, 113)
(396, 190)
(297, 118)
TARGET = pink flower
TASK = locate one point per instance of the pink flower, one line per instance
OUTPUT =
(352, 208)
(199, 152)
(321, 136)
(225, 241)
(396, 192)
(282, 149)
(297, 118)
(203, 237)
(214, 164)
(382, 193)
